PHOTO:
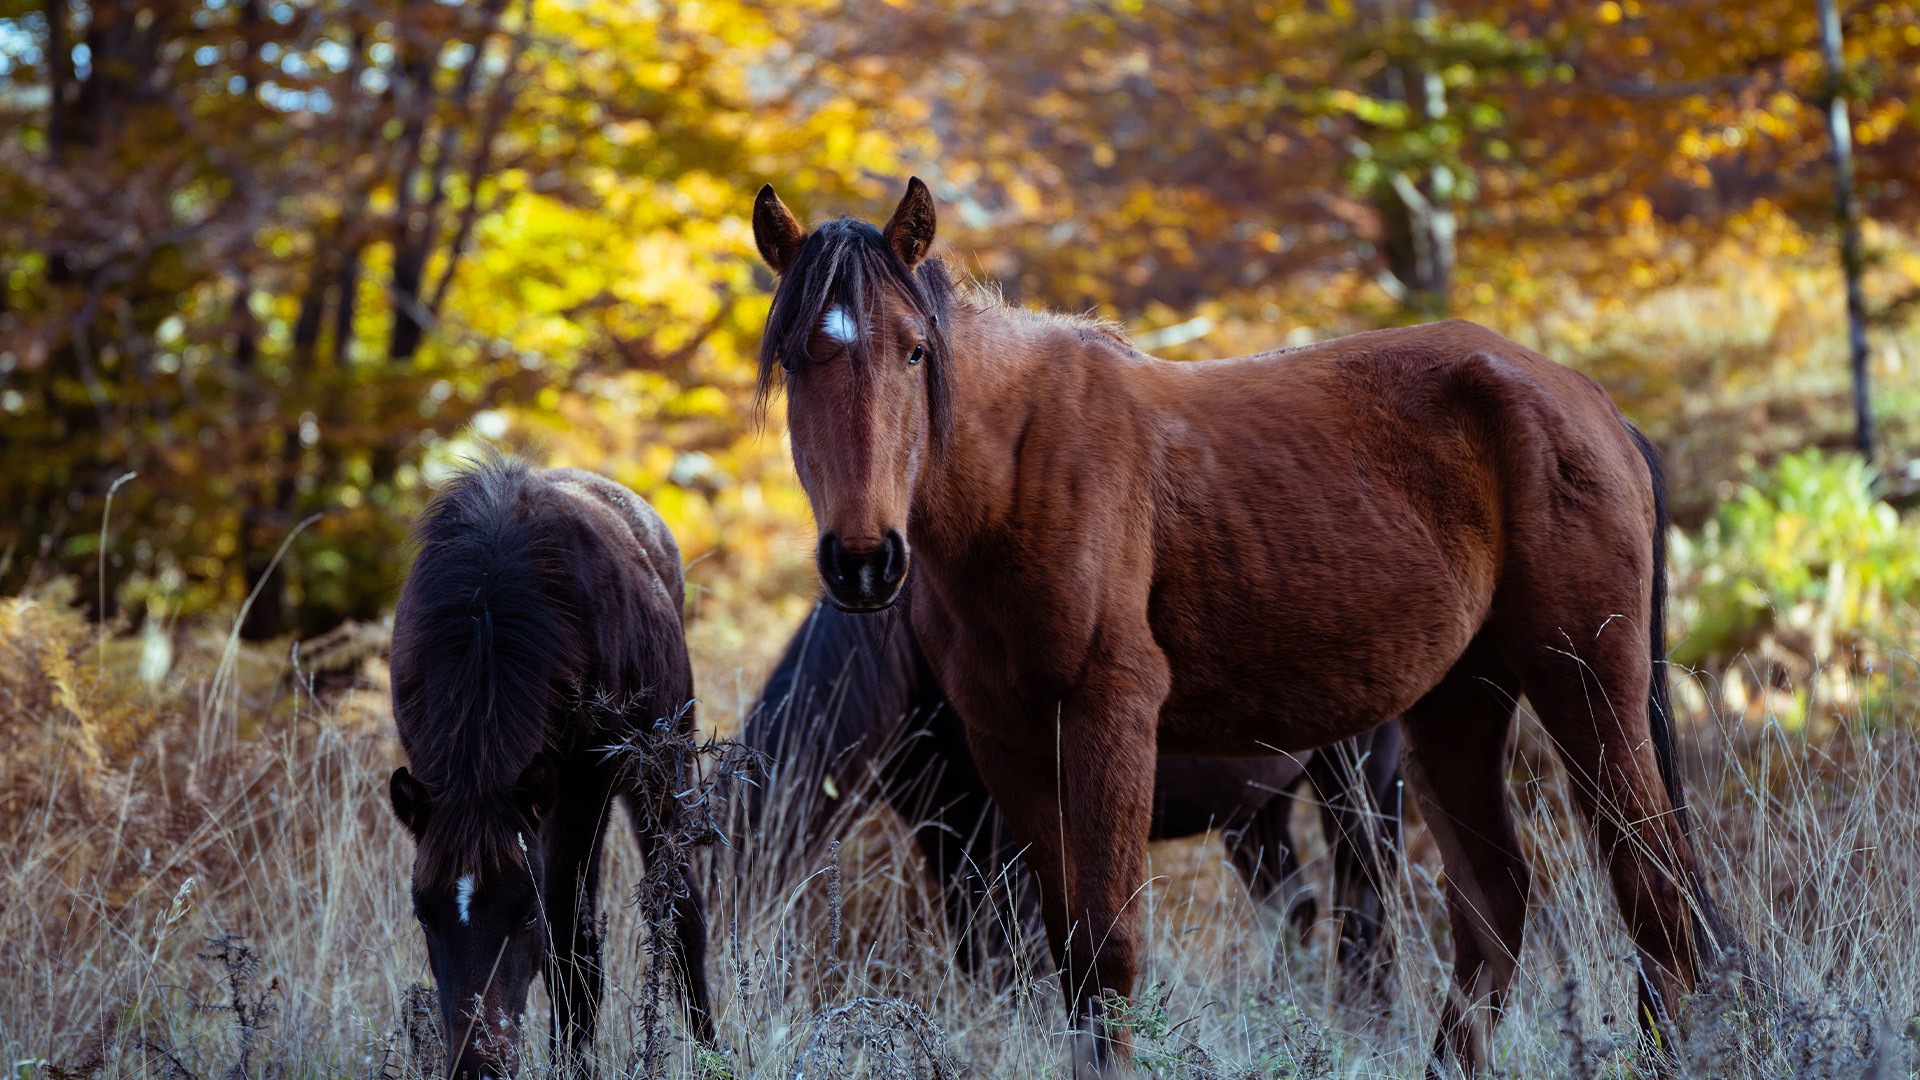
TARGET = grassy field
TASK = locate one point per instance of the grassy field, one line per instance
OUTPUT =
(202, 879)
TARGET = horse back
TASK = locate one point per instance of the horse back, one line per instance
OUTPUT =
(630, 589)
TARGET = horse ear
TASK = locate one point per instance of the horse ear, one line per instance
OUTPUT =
(411, 801)
(910, 230)
(537, 790)
(776, 232)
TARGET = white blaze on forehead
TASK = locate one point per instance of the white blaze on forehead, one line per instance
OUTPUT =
(463, 896)
(838, 325)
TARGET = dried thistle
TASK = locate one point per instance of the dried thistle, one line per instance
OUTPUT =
(894, 1038)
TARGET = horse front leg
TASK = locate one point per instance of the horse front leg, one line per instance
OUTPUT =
(1085, 811)
(570, 902)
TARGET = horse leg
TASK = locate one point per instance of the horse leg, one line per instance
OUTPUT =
(1358, 782)
(570, 897)
(1593, 704)
(931, 780)
(1456, 763)
(1087, 825)
(686, 912)
(965, 842)
(1262, 852)
(1026, 791)
(1109, 750)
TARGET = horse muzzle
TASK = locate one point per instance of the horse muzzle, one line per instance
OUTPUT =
(863, 576)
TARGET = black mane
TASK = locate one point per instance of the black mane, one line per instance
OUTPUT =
(483, 644)
(847, 262)
(842, 680)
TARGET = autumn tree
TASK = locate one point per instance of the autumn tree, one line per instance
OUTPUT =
(1134, 154)
(268, 254)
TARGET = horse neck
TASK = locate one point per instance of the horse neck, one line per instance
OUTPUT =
(1005, 365)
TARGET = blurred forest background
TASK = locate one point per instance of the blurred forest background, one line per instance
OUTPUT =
(285, 259)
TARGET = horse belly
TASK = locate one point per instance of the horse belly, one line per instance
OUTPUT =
(1322, 650)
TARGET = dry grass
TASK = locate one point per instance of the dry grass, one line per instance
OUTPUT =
(208, 884)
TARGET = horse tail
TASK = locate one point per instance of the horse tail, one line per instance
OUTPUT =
(1659, 697)
(1708, 924)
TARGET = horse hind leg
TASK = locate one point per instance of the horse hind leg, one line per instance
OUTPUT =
(1592, 699)
(1456, 762)
(1263, 854)
(1359, 786)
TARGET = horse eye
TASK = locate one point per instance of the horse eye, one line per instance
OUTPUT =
(919, 353)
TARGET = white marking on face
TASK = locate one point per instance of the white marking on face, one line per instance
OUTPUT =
(463, 896)
(839, 326)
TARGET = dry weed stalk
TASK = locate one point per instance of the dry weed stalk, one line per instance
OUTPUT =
(893, 1038)
(684, 779)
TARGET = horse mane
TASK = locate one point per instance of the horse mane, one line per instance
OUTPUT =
(843, 678)
(846, 262)
(986, 295)
(483, 643)
(854, 699)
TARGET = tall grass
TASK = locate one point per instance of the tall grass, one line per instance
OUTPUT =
(196, 885)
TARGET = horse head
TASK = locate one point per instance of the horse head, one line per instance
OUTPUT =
(857, 332)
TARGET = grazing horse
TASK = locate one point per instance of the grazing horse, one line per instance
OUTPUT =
(1125, 556)
(853, 704)
(532, 588)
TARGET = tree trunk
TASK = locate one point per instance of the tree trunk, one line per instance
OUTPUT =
(59, 80)
(1416, 208)
(261, 530)
(1846, 213)
(269, 510)
(418, 225)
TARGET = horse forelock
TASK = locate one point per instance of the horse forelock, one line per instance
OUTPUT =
(468, 838)
(843, 267)
(483, 644)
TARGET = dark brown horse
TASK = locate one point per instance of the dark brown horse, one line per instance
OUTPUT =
(531, 589)
(853, 709)
(1271, 553)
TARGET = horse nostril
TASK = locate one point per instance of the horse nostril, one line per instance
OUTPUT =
(829, 556)
(895, 566)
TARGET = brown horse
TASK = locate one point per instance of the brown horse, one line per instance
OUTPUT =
(1269, 553)
(531, 589)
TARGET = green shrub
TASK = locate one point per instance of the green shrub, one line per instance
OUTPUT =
(1804, 552)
